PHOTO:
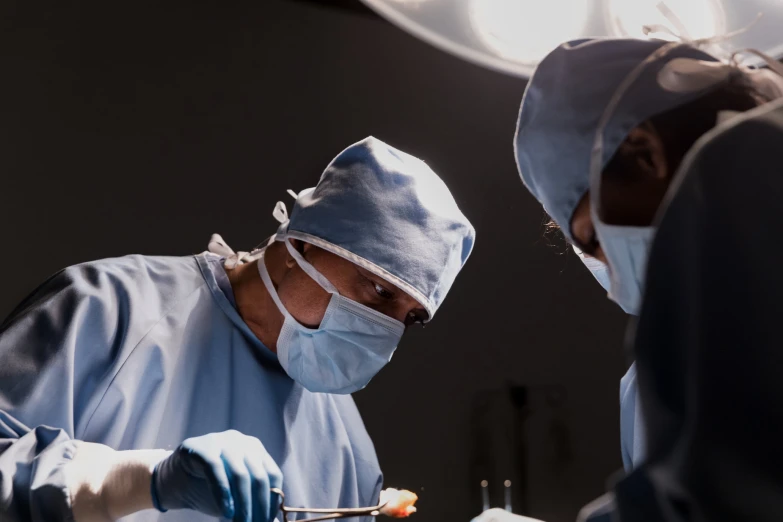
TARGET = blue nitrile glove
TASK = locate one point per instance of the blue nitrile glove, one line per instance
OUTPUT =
(225, 475)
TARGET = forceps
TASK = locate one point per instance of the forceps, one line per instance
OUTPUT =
(328, 514)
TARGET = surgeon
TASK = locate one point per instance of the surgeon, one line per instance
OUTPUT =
(186, 388)
(635, 116)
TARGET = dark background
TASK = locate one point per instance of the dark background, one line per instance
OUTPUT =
(142, 128)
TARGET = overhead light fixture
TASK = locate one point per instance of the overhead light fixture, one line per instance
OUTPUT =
(687, 18)
(512, 36)
(523, 31)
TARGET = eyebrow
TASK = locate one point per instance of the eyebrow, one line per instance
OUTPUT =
(377, 279)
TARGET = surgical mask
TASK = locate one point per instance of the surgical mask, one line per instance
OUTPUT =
(599, 269)
(626, 250)
(342, 355)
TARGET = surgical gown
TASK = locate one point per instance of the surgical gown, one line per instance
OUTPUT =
(708, 350)
(143, 352)
(631, 429)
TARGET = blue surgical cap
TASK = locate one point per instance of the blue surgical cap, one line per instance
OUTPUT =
(564, 102)
(388, 212)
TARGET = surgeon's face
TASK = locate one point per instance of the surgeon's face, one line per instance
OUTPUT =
(632, 188)
(307, 301)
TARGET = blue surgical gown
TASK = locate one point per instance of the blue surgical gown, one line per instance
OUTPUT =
(141, 353)
(631, 429)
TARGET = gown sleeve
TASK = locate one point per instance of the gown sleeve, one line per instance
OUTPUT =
(55, 349)
(631, 428)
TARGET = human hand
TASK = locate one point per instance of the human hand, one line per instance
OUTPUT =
(225, 475)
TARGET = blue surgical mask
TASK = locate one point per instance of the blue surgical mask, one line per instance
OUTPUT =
(599, 269)
(626, 250)
(342, 355)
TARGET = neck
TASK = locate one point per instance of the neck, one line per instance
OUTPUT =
(253, 301)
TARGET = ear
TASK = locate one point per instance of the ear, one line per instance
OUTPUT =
(645, 148)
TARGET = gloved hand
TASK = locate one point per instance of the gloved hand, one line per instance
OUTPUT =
(500, 515)
(225, 475)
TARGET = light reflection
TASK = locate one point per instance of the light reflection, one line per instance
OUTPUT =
(526, 30)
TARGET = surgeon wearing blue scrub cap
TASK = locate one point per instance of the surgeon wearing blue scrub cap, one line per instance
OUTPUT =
(645, 139)
(186, 389)
(627, 112)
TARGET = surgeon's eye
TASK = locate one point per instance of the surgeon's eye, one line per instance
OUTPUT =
(381, 291)
(594, 244)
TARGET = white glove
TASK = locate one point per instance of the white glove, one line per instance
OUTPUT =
(500, 515)
(105, 484)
